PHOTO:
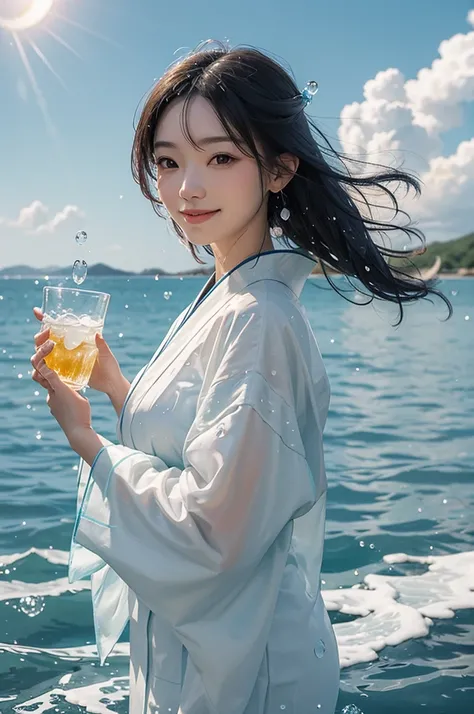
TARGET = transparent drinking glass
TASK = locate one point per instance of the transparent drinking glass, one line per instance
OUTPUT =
(74, 317)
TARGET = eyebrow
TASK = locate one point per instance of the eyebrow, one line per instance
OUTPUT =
(207, 140)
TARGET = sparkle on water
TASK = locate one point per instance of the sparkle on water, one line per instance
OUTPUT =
(81, 237)
(79, 271)
(32, 605)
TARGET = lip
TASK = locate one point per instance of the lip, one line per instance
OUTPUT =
(199, 217)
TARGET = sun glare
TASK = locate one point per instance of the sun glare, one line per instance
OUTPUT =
(35, 13)
(37, 16)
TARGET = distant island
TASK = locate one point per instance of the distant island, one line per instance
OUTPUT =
(450, 258)
(97, 270)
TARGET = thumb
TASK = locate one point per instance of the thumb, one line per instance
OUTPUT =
(101, 343)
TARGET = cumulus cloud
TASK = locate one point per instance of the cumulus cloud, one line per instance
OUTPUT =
(405, 119)
(36, 218)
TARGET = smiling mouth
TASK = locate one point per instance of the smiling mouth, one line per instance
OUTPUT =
(197, 213)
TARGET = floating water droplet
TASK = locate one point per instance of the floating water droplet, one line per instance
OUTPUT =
(282, 706)
(367, 268)
(20, 376)
(79, 271)
(81, 237)
(220, 431)
(38, 435)
(167, 294)
(320, 649)
(32, 605)
(371, 546)
(273, 372)
(361, 543)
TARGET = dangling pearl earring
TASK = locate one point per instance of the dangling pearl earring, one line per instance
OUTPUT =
(285, 212)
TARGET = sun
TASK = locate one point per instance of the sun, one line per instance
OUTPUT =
(37, 11)
(21, 26)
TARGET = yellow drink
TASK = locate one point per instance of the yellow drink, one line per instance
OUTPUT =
(74, 353)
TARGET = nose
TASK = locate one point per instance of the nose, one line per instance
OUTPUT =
(191, 187)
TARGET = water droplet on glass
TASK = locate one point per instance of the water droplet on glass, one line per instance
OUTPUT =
(81, 237)
(79, 271)
(167, 294)
(32, 605)
(220, 431)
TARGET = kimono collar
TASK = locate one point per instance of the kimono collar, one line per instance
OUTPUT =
(290, 267)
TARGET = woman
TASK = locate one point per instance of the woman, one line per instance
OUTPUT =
(204, 524)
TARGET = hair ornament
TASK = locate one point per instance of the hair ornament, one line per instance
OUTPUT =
(311, 88)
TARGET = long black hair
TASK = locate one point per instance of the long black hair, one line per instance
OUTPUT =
(257, 100)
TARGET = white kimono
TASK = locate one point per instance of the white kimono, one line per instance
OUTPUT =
(204, 525)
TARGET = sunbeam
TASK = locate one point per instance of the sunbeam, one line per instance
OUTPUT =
(45, 61)
(63, 43)
(89, 31)
(42, 104)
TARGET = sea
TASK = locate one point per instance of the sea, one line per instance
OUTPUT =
(398, 568)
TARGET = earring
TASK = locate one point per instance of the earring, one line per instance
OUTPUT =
(285, 212)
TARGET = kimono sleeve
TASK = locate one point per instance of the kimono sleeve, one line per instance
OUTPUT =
(185, 539)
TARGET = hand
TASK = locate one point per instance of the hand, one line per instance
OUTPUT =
(106, 373)
(71, 410)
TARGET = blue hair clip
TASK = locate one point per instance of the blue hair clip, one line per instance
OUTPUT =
(309, 91)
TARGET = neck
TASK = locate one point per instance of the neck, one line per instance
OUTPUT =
(226, 259)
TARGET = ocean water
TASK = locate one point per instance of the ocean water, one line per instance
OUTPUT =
(398, 569)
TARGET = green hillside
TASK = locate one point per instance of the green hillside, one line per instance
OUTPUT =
(454, 254)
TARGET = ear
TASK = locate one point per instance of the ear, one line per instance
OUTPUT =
(283, 176)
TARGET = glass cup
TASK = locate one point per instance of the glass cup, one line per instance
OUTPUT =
(73, 317)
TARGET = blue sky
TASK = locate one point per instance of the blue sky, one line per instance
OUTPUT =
(396, 79)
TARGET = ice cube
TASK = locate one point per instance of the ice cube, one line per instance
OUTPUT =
(73, 338)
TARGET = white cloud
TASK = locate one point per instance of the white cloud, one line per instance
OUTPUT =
(35, 218)
(405, 120)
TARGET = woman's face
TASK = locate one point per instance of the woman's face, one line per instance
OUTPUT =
(219, 177)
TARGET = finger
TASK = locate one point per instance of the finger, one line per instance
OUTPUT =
(48, 374)
(42, 352)
(38, 313)
(37, 377)
(41, 337)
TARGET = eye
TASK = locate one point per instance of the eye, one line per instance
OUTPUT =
(163, 158)
(226, 156)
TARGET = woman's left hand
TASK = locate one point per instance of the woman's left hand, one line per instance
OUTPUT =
(71, 410)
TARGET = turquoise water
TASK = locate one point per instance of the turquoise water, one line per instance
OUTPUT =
(399, 455)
